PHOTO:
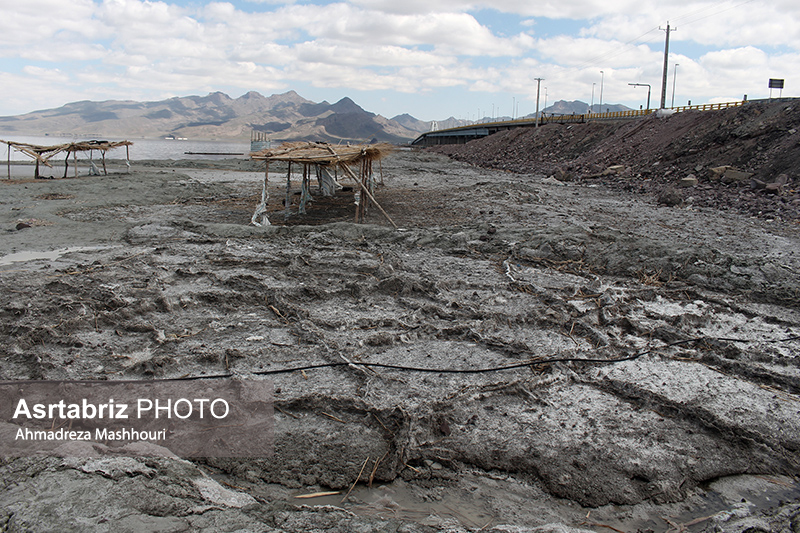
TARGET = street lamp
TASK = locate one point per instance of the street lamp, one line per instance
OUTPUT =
(674, 77)
(602, 75)
(648, 91)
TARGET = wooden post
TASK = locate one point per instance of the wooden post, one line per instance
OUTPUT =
(66, 165)
(9, 161)
(353, 177)
(75, 161)
(105, 171)
(128, 156)
(287, 202)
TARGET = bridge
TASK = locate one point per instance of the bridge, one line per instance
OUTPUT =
(464, 134)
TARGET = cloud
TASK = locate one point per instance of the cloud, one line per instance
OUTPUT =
(453, 33)
(144, 49)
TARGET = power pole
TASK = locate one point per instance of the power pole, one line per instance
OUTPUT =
(666, 64)
(538, 86)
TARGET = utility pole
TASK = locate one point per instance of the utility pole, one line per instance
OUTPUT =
(666, 65)
(538, 86)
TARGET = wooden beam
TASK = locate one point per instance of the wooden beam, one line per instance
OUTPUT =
(352, 176)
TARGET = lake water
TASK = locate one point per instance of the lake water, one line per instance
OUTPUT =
(141, 149)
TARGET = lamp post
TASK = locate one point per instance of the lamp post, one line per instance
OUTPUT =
(674, 77)
(648, 91)
(602, 75)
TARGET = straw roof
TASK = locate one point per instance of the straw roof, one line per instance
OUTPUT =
(44, 153)
(324, 153)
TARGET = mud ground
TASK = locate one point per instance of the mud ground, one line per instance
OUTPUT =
(156, 273)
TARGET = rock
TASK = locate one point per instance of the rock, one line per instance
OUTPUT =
(688, 181)
(22, 225)
(782, 179)
(757, 184)
(669, 197)
(563, 175)
(773, 188)
(728, 174)
(733, 175)
(718, 172)
(613, 169)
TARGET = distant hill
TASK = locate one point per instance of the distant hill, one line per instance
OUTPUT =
(281, 117)
(286, 116)
(562, 107)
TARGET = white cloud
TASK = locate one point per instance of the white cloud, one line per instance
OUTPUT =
(143, 48)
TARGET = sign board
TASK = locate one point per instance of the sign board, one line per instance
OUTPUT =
(775, 83)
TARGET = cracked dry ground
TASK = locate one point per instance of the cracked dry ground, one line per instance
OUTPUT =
(488, 269)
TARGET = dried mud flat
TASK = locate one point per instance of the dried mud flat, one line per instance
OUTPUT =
(157, 274)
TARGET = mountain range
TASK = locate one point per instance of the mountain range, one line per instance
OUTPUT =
(280, 117)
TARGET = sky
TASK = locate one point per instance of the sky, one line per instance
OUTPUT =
(432, 59)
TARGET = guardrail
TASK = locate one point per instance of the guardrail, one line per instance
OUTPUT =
(709, 107)
(487, 128)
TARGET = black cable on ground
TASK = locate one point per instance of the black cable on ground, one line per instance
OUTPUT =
(527, 363)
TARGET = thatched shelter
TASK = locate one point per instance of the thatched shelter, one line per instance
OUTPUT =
(328, 163)
(43, 154)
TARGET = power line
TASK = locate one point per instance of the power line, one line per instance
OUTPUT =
(711, 14)
(608, 55)
(682, 19)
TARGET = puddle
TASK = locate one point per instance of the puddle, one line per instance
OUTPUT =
(218, 176)
(481, 502)
(22, 257)
(400, 500)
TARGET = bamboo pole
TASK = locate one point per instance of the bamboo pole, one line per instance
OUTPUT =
(303, 188)
(354, 178)
(265, 194)
(287, 202)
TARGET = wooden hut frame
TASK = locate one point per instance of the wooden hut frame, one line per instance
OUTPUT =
(43, 154)
(326, 160)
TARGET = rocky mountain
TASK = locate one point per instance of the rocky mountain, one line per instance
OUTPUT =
(281, 117)
(576, 107)
(286, 116)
